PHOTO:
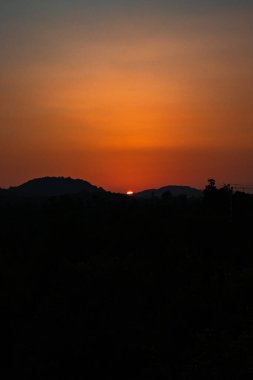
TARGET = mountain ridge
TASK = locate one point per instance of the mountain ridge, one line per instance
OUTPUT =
(54, 186)
(174, 190)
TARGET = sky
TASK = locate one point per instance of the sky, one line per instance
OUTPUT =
(127, 94)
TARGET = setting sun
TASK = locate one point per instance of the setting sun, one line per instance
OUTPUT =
(155, 90)
(130, 192)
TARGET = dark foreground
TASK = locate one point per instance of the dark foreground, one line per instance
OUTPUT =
(114, 286)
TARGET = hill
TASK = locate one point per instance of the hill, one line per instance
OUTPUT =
(175, 191)
(54, 186)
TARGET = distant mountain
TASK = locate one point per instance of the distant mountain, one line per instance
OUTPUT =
(53, 186)
(175, 191)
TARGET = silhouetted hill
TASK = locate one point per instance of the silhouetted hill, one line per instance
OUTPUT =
(158, 288)
(175, 191)
(54, 186)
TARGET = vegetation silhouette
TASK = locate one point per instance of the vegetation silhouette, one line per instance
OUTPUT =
(106, 284)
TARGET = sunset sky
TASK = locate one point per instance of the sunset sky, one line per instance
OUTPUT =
(127, 94)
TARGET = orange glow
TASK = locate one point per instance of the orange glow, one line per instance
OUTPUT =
(153, 103)
(130, 193)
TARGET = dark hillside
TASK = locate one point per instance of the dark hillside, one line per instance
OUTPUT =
(53, 186)
(116, 286)
(175, 191)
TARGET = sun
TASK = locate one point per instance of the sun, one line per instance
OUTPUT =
(130, 192)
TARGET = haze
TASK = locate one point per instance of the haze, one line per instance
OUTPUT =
(126, 96)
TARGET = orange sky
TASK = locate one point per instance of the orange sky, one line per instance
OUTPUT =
(127, 99)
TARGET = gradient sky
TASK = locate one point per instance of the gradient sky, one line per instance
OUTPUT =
(127, 94)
